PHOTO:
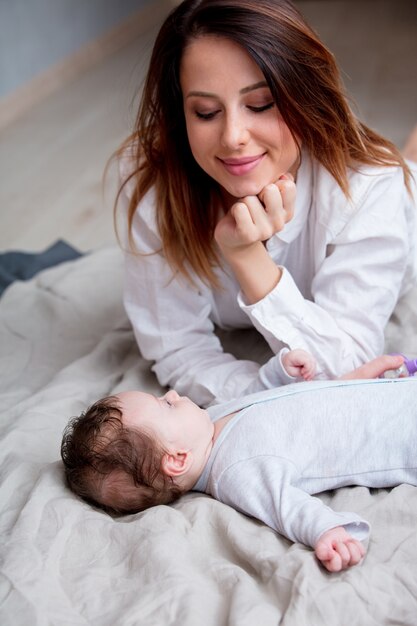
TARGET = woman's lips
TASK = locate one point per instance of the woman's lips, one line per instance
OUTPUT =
(238, 167)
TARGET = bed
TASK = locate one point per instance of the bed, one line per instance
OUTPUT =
(65, 341)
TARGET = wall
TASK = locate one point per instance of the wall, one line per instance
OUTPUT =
(37, 34)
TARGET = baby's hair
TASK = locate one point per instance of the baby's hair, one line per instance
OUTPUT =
(116, 468)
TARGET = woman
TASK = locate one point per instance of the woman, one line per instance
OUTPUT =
(254, 197)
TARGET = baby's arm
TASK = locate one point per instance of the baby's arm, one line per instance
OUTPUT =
(337, 550)
(299, 363)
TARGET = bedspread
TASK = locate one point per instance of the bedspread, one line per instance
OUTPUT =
(64, 342)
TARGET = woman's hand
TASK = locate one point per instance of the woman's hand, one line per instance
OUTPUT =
(241, 232)
(376, 367)
(257, 218)
(337, 550)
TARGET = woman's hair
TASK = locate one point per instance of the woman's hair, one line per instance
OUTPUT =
(111, 466)
(305, 84)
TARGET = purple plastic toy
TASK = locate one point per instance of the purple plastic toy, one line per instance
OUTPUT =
(408, 368)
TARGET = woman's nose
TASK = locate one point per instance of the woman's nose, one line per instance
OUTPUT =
(235, 131)
(172, 395)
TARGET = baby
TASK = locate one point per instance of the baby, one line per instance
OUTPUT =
(265, 454)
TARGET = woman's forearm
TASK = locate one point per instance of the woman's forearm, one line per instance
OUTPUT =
(255, 271)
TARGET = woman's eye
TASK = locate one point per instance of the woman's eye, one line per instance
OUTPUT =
(265, 107)
(206, 116)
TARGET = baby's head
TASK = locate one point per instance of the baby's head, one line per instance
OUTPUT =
(131, 451)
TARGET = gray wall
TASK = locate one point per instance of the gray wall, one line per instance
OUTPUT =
(36, 34)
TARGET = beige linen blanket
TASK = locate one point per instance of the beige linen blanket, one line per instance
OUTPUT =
(65, 341)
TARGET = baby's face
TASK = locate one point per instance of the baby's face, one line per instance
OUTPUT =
(175, 421)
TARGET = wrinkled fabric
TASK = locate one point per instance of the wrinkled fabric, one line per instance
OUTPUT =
(64, 342)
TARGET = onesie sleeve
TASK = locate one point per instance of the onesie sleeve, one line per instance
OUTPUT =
(263, 488)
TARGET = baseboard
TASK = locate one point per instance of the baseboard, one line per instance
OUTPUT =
(34, 91)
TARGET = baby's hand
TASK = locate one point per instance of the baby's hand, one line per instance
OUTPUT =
(337, 550)
(299, 363)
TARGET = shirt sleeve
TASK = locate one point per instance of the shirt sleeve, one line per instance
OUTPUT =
(172, 326)
(354, 290)
(263, 488)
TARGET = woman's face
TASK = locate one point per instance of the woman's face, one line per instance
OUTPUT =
(234, 128)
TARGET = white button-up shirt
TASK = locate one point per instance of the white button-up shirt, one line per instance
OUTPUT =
(345, 264)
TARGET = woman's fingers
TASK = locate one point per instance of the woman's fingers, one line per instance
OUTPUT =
(257, 218)
(268, 216)
(241, 226)
(376, 367)
(247, 219)
(273, 208)
(235, 228)
(288, 191)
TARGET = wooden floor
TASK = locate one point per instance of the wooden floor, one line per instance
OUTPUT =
(52, 159)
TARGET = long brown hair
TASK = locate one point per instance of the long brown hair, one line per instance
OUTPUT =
(305, 84)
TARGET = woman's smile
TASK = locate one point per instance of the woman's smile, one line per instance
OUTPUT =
(240, 167)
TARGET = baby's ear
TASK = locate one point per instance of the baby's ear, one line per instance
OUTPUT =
(176, 464)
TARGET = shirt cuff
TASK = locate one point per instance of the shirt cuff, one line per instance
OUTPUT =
(278, 315)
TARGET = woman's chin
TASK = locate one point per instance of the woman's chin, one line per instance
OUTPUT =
(242, 190)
